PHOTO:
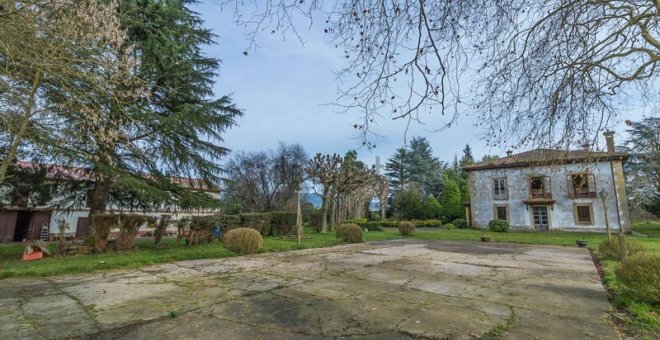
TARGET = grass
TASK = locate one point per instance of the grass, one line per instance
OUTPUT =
(651, 229)
(170, 250)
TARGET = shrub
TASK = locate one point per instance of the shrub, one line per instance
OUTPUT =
(374, 226)
(102, 224)
(362, 222)
(449, 226)
(161, 226)
(460, 223)
(227, 222)
(609, 249)
(406, 228)
(282, 222)
(639, 276)
(129, 226)
(389, 223)
(349, 232)
(498, 226)
(261, 222)
(427, 223)
(243, 240)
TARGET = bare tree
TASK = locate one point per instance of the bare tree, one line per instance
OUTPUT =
(324, 171)
(267, 180)
(542, 72)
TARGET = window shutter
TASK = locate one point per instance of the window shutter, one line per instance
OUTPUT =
(591, 182)
(569, 186)
(546, 185)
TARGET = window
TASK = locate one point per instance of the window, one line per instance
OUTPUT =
(499, 188)
(582, 185)
(501, 212)
(539, 187)
(584, 214)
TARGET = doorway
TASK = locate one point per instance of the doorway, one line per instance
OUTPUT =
(540, 217)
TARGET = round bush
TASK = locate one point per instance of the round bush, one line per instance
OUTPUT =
(609, 249)
(498, 226)
(449, 226)
(243, 240)
(349, 233)
(460, 223)
(406, 228)
(640, 277)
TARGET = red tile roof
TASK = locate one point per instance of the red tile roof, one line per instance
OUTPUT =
(61, 172)
(538, 157)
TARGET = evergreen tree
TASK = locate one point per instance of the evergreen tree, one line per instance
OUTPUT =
(396, 169)
(432, 208)
(408, 204)
(415, 164)
(643, 167)
(452, 206)
(173, 128)
(467, 158)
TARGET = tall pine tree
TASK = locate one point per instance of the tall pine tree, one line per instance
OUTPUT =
(175, 125)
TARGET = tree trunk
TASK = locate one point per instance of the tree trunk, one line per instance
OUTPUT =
(324, 211)
(22, 128)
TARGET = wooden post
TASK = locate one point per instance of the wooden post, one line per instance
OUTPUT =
(607, 222)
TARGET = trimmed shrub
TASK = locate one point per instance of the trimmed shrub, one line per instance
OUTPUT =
(362, 222)
(200, 230)
(609, 249)
(161, 226)
(258, 221)
(101, 225)
(498, 226)
(349, 232)
(283, 222)
(243, 240)
(460, 223)
(389, 223)
(639, 276)
(427, 223)
(129, 226)
(449, 226)
(227, 222)
(374, 226)
(406, 228)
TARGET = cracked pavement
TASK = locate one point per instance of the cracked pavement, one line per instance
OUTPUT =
(399, 289)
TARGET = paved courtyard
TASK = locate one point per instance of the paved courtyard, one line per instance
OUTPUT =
(379, 290)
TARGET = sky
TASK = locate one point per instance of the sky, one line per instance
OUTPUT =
(284, 88)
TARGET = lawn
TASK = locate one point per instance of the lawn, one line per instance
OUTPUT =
(170, 250)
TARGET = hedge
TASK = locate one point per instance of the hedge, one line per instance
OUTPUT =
(260, 222)
(417, 223)
(283, 222)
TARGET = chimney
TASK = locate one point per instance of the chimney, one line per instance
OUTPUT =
(609, 139)
(509, 153)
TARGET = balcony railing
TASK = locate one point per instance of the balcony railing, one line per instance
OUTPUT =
(540, 193)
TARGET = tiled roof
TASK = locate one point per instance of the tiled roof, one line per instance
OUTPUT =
(546, 157)
(61, 172)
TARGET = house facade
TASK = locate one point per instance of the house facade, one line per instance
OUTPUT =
(27, 221)
(546, 189)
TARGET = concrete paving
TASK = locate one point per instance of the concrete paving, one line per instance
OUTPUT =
(380, 290)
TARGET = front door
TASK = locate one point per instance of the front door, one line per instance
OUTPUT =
(540, 218)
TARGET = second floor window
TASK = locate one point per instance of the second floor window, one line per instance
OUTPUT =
(539, 187)
(582, 185)
(499, 188)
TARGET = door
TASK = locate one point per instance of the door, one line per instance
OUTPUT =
(40, 225)
(540, 218)
(82, 228)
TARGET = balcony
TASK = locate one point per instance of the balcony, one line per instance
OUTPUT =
(581, 185)
(539, 191)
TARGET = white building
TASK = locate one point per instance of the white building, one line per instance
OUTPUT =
(547, 189)
(27, 221)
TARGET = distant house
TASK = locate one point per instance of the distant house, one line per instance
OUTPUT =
(23, 219)
(546, 189)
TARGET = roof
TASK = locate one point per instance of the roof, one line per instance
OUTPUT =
(62, 172)
(538, 157)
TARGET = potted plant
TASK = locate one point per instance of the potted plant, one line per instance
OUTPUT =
(581, 243)
(485, 238)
